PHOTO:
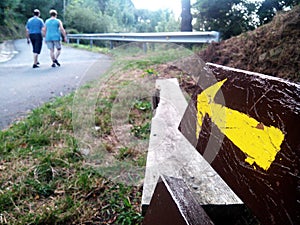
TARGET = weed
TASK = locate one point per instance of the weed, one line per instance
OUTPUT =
(150, 72)
(140, 119)
(103, 116)
(124, 152)
(37, 188)
(124, 205)
(6, 199)
(142, 105)
(141, 131)
(141, 161)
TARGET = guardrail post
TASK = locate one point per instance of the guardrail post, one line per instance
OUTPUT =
(77, 41)
(91, 43)
(152, 46)
(111, 45)
(145, 48)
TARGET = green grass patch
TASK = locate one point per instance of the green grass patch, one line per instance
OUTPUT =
(44, 179)
(46, 175)
(89, 48)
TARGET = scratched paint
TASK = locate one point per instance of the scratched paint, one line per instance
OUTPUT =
(260, 143)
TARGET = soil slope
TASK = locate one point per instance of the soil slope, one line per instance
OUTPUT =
(272, 49)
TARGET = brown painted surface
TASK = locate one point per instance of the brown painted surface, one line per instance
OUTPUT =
(273, 195)
(173, 204)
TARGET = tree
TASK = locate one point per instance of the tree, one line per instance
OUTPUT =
(103, 4)
(186, 16)
(155, 21)
(26, 7)
(269, 8)
(7, 10)
(123, 11)
(14, 14)
(230, 17)
(85, 16)
(167, 22)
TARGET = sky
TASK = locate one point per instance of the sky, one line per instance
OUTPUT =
(175, 5)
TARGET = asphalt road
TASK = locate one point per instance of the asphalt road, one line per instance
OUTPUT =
(23, 88)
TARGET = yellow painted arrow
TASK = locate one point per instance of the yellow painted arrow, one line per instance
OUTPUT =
(260, 143)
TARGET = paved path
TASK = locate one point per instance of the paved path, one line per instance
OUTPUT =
(23, 88)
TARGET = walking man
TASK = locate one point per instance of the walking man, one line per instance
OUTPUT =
(53, 30)
(34, 28)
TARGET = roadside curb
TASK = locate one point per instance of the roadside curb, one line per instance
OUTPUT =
(7, 51)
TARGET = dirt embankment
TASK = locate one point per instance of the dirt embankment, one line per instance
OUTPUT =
(272, 49)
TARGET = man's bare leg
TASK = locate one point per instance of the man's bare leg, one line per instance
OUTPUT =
(35, 58)
(57, 53)
(52, 54)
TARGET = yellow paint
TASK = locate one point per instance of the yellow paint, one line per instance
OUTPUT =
(260, 143)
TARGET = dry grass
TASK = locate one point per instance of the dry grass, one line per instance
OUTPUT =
(51, 176)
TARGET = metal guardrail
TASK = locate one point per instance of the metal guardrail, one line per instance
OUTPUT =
(160, 37)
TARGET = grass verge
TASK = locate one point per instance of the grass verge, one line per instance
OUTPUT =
(49, 176)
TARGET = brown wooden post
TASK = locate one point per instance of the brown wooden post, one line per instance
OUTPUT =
(173, 204)
(247, 125)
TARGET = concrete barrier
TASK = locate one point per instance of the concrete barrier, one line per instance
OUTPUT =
(171, 155)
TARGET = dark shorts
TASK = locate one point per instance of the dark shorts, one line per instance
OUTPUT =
(37, 41)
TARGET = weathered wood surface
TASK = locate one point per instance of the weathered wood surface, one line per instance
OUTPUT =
(173, 204)
(171, 154)
(248, 129)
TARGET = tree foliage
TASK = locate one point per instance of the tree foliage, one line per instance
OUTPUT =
(26, 7)
(116, 16)
(89, 16)
(232, 17)
(8, 10)
(269, 8)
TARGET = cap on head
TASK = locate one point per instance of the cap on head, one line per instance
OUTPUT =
(53, 12)
(36, 12)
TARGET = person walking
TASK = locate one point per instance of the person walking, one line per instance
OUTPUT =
(53, 30)
(34, 28)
